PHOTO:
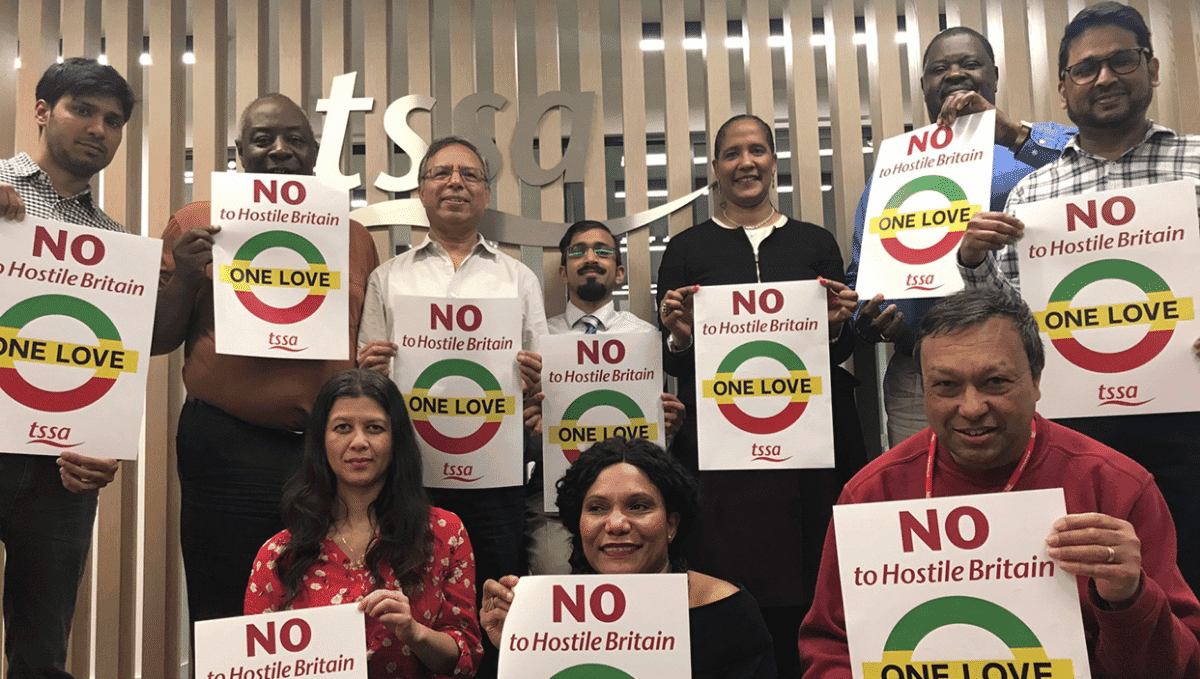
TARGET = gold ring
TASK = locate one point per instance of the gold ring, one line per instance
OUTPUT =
(1112, 555)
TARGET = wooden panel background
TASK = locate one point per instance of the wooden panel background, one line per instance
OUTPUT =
(129, 621)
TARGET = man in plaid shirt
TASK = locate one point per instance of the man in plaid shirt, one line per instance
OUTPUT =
(48, 505)
(1107, 76)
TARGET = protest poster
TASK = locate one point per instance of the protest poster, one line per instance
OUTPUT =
(457, 368)
(958, 588)
(762, 376)
(1111, 279)
(597, 627)
(926, 186)
(597, 386)
(281, 266)
(329, 642)
(76, 317)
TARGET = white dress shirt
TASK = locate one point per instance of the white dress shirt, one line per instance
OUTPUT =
(428, 271)
(609, 320)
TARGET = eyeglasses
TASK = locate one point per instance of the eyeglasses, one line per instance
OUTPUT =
(442, 173)
(1120, 62)
(581, 249)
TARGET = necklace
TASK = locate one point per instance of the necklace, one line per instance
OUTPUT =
(725, 213)
(359, 562)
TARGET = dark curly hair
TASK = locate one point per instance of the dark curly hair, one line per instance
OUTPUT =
(402, 508)
(680, 491)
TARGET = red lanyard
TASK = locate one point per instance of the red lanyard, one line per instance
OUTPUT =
(1012, 481)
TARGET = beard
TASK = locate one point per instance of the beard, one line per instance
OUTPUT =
(1116, 119)
(592, 291)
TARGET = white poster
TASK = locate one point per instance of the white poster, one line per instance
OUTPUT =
(281, 266)
(1111, 279)
(597, 386)
(76, 315)
(457, 369)
(762, 376)
(958, 588)
(597, 627)
(328, 642)
(927, 185)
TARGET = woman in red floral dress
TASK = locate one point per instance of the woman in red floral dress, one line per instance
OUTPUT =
(360, 528)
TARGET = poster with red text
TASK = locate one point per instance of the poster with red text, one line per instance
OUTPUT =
(927, 185)
(281, 266)
(1111, 279)
(457, 369)
(76, 315)
(597, 627)
(597, 386)
(958, 588)
(328, 642)
(762, 376)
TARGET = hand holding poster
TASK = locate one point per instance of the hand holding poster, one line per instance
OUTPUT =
(968, 579)
(762, 376)
(1111, 279)
(597, 387)
(927, 185)
(329, 642)
(457, 368)
(598, 627)
(280, 266)
(76, 315)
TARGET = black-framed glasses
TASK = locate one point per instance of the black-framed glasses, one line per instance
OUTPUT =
(577, 250)
(442, 173)
(1121, 62)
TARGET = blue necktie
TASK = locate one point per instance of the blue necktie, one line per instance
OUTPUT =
(589, 323)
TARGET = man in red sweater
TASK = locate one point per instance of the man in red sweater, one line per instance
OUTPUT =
(981, 360)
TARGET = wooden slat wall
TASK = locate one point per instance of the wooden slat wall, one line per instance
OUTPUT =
(129, 607)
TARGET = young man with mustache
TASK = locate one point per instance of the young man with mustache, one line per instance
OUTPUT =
(48, 505)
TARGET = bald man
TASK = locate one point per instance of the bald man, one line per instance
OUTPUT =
(242, 427)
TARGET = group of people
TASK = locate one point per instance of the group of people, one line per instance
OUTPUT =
(302, 481)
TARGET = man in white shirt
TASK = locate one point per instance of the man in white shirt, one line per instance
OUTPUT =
(455, 261)
(591, 268)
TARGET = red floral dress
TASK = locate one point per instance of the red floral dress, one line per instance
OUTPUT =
(444, 601)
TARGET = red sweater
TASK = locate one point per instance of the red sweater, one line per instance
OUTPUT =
(1155, 637)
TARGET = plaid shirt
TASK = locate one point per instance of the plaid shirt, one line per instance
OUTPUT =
(41, 200)
(1162, 156)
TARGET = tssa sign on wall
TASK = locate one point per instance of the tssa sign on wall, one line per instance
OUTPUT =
(341, 102)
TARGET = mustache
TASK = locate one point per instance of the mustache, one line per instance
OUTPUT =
(593, 267)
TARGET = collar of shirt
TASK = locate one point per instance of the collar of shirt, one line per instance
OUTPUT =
(25, 168)
(606, 314)
(431, 248)
(1074, 149)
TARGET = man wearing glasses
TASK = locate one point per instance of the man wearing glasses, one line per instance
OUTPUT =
(590, 265)
(1107, 76)
(455, 261)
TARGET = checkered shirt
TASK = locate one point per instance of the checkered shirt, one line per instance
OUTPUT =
(41, 200)
(1162, 156)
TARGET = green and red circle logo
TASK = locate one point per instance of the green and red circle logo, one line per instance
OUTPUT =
(798, 386)
(1161, 310)
(1029, 657)
(493, 406)
(108, 358)
(569, 435)
(953, 217)
(244, 276)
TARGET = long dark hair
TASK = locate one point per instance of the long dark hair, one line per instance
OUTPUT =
(680, 491)
(401, 510)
